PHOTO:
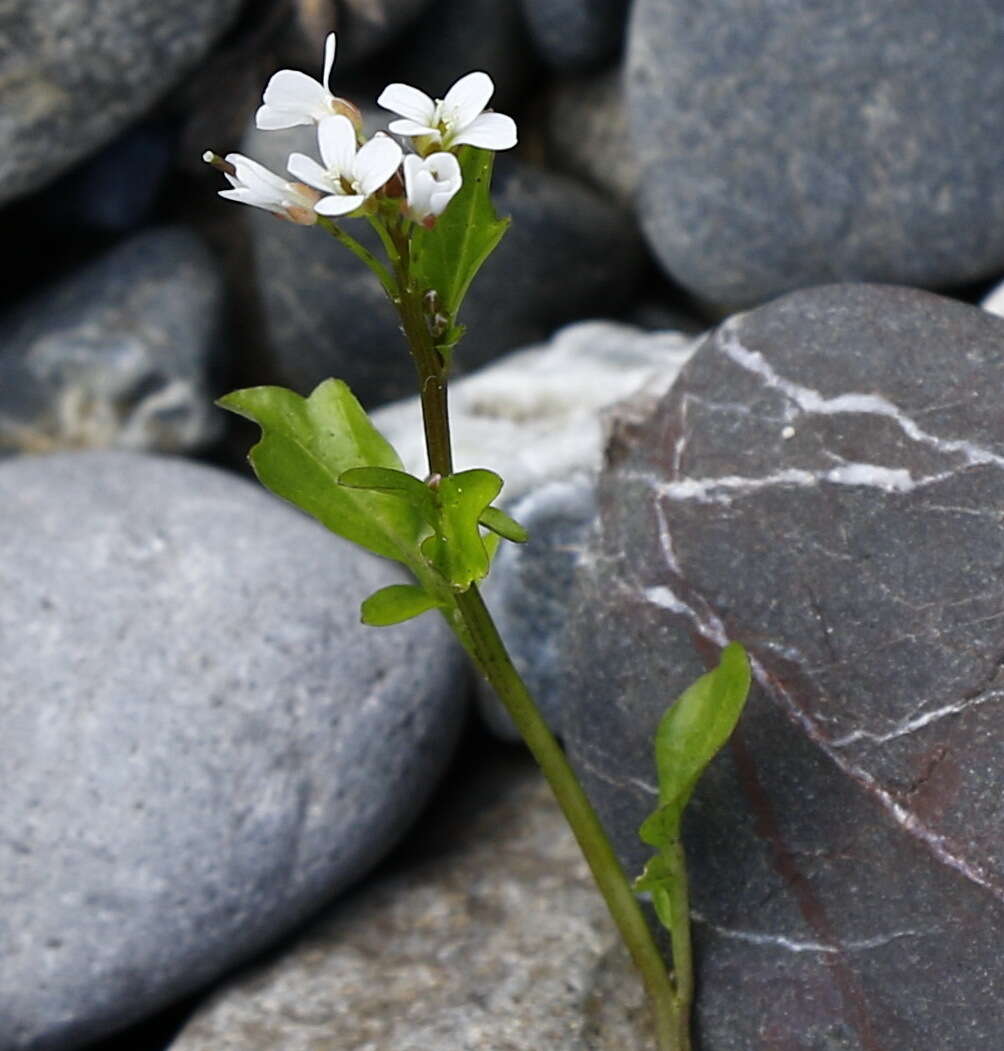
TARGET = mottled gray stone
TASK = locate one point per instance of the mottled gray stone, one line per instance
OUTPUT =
(567, 254)
(494, 937)
(824, 483)
(577, 34)
(790, 144)
(202, 744)
(76, 72)
(588, 132)
(117, 354)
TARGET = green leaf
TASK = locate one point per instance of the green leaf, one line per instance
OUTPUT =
(393, 604)
(307, 444)
(657, 880)
(499, 522)
(447, 257)
(457, 548)
(689, 736)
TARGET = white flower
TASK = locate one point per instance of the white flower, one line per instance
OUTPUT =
(293, 98)
(457, 120)
(348, 177)
(430, 184)
(255, 185)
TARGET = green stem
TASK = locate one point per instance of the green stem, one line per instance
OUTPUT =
(490, 653)
(679, 933)
(382, 273)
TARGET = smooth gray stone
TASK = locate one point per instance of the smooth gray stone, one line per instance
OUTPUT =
(567, 254)
(577, 34)
(784, 145)
(76, 72)
(118, 354)
(201, 743)
(493, 937)
(366, 26)
(823, 482)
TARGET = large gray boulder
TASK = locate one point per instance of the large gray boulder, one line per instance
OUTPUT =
(201, 743)
(823, 482)
(790, 144)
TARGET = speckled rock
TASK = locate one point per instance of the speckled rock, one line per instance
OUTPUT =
(588, 134)
(567, 254)
(786, 145)
(493, 938)
(824, 483)
(118, 354)
(577, 34)
(76, 72)
(202, 744)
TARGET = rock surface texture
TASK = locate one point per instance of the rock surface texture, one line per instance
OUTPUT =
(76, 72)
(823, 482)
(201, 744)
(790, 144)
(119, 354)
(493, 937)
(568, 254)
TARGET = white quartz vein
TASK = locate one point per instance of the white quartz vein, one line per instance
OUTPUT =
(781, 942)
(910, 726)
(809, 401)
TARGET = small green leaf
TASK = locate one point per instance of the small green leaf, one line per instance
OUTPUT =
(657, 880)
(393, 604)
(689, 736)
(307, 444)
(447, 257)
(457, 548)
(499, 522)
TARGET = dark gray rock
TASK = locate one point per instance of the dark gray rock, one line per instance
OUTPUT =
(785, 145)
(588, 134)
(457, 36)
(577, 34)
(365, 26)
(76, 72)
(824, 483)
(202, 744)
(567, 254)
(119, 354)
(494, 937)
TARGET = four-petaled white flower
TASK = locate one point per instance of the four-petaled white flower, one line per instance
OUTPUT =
(430, 184)
(348, 177)
(457, 120)
(254, 184)
(293, 98)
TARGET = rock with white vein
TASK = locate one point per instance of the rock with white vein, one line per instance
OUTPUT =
(823, 482)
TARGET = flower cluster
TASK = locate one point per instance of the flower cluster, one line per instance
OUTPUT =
(354, 173)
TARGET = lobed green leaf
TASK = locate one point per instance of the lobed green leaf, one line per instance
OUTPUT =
(307, 444)
(457, 549)
(499, 522)
(398, 602)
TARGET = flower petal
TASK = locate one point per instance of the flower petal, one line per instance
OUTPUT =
(408, 102)
(491, 131)
(409, 127)
(307, 170)
(329, 60)
(269, 119)
(340, 204)
(336, 139)
(256, 176)
(243, 195)
(375, 163)
(291, 90)
(467, 98)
